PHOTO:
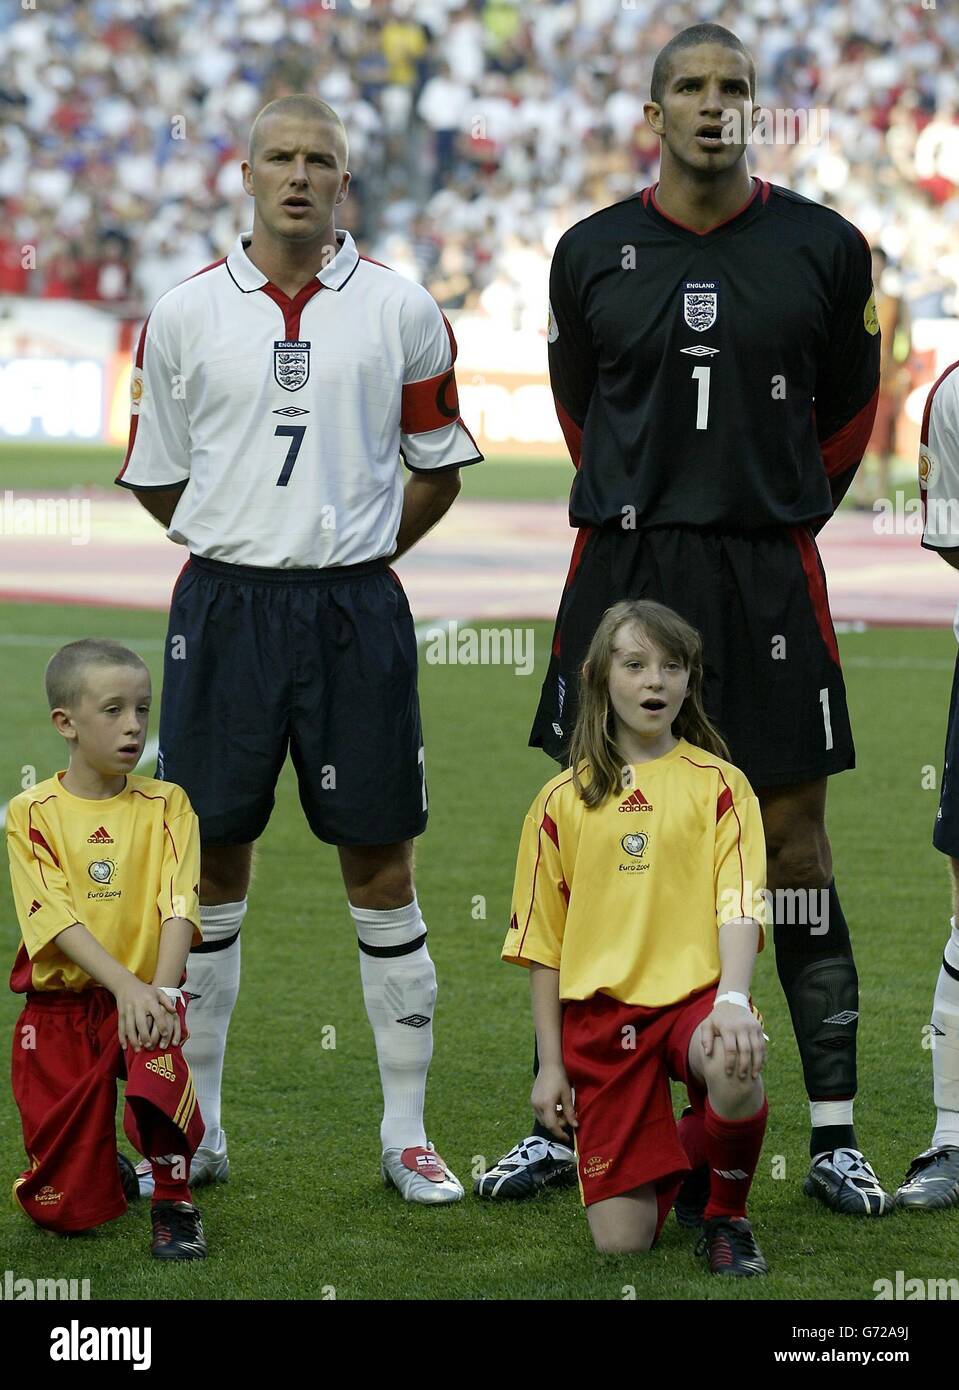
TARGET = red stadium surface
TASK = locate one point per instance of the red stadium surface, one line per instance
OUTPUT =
(484, 560)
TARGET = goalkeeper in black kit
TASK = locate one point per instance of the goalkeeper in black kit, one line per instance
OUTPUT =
(714, 358)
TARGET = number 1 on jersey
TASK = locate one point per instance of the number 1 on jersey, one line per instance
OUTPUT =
(295, 434)
(701, 375)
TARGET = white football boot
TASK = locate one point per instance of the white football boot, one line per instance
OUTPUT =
(420, 1175)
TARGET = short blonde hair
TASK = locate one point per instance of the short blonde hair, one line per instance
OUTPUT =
(65, 678)
(300, 104)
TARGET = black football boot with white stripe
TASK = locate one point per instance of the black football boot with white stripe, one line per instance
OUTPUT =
(533, 1165)
(845, 1182)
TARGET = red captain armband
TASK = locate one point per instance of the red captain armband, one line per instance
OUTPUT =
(430, 404)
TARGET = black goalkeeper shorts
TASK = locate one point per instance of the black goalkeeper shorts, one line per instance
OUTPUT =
(320, 663)
(773, 683)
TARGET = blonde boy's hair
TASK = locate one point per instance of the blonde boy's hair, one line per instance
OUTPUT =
(65, 676)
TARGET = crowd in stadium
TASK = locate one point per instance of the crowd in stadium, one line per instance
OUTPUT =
(478, 131)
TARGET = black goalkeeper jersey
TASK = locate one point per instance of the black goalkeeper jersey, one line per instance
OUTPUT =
(721, 379)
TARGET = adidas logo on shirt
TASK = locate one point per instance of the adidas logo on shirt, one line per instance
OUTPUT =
(34, 907)
(635, 802)
(100, 837)
(163, 1066)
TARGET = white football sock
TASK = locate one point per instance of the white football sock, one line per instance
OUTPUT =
(213, 976)
(945, 1053)
(399, 991)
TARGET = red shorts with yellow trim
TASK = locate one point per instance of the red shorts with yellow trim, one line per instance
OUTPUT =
(619, 1059)
(66, 1063)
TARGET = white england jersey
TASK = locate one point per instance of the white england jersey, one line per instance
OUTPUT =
(287, 418)
(939, 463)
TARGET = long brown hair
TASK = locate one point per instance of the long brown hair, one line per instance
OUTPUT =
(592, 739)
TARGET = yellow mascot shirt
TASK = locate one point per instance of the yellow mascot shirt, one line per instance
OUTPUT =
(121, 866)
(628, 898)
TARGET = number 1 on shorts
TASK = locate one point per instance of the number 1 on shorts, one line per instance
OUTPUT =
(420, 758)
(824, 701)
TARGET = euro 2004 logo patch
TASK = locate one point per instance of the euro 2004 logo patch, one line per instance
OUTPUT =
(102, 870)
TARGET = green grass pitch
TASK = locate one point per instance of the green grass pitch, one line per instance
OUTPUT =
(304, 1215)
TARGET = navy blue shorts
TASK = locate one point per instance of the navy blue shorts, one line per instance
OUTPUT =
(320, 662)
(773, 685)
(945, 836)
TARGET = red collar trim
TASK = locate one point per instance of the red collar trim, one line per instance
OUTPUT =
(758, 184)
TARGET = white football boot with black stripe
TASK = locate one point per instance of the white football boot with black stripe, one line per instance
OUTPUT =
(420, 1175)
(534, 1164)
(932, 1182)
(844, 1181)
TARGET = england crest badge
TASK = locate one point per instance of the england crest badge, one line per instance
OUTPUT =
(700, 303)
(291, 363)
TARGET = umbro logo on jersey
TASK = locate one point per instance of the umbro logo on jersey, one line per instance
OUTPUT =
(162, 1066)
(100, 837)
(291, 410)
(414, 1020)
(701, 351)
(635, 802)
(846, 1016)
(34, 907)
(291, 362)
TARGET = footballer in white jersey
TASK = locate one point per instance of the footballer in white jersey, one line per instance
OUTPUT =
(277, 396)
(932, 1181)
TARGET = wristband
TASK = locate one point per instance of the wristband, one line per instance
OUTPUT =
(732, 997)
(175, 994)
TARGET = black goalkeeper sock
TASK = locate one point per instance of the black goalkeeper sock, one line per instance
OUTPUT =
(825, 1138)
(542, 1132)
